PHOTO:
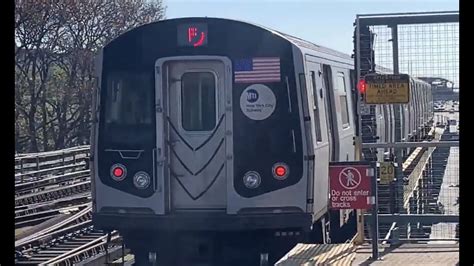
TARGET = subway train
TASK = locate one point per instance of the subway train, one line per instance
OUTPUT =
(212, 138)
(380, 123)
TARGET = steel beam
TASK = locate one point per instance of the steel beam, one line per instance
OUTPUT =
(398, 20)
(416, 218)
(437, 144)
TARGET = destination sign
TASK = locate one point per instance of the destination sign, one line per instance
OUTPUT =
(387, 89)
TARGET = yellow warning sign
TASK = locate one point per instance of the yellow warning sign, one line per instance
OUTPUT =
(387, 89)
(387, 173)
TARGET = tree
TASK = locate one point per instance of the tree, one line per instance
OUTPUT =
(56, 43)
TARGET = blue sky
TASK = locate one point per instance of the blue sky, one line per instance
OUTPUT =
(324, 22)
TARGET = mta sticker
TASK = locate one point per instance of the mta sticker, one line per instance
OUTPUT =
(257, 102)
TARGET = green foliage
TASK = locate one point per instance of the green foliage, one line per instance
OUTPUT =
(56, 42)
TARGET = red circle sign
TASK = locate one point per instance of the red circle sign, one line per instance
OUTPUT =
(350, 178)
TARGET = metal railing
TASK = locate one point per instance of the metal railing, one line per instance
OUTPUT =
(428, 196)
(46, 184)
(33, 166)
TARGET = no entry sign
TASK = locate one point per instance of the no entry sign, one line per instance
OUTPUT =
(350, 186)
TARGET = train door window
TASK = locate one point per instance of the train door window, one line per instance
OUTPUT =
(198, 101)
(341, 86)
(415, 98)
(353, 91)
(316, 108)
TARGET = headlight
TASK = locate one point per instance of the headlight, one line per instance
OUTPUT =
(252, 180)
(141, 180)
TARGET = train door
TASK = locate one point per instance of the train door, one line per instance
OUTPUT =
(411, 113)
(344, 116)
(406, 126)
(330, 113)
(193, 94)
(415, 111)
(321, 135)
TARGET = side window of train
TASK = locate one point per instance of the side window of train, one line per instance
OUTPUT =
(198, 101)
(316, 107)
(352, 77)
(341, 86)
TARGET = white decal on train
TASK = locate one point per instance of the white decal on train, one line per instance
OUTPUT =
(257, 102)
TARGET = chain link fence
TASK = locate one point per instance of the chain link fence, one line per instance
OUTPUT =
(422, 202)
(424, 50)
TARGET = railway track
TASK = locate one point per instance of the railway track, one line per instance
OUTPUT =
(80, 218)
(53, 194)
(72, 248)
(31, 217)
(53, 205)
(51, 181)
(66, 242)
(40, 200)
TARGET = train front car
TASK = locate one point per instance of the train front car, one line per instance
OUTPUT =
(197, 143)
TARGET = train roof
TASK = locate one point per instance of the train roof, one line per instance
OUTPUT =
(303, 45)
(298, 42)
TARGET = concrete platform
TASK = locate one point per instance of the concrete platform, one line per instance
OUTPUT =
(410, 254)
(348, 254)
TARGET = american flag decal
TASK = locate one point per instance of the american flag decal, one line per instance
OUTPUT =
(260, 69)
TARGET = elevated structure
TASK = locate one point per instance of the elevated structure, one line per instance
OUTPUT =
(443, 89)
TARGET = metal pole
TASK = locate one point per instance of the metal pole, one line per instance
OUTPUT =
(357, 51)
(397, 107)
(375, 219)
(395, 48)
(359, 240)
(358, 139)
(109, 236)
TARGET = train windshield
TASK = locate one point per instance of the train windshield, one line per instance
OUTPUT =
(128, 101)
(129, 107)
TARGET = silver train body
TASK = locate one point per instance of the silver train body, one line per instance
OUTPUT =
(381, 123)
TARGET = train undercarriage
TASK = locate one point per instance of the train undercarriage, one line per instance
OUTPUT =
(245, 247)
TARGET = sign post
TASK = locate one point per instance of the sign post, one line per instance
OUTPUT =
(353, 185)
(375, 216)
(359, 240)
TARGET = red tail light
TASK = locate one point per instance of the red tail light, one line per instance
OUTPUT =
(118, 172)
(280, 171)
